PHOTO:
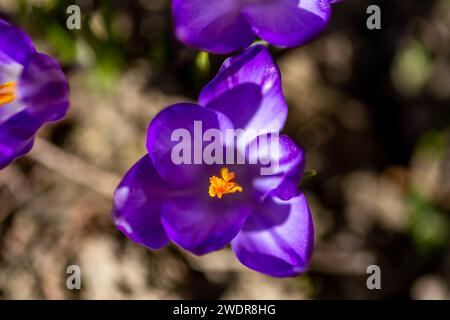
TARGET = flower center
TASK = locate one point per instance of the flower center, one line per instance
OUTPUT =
(7, 93)
(224, 185)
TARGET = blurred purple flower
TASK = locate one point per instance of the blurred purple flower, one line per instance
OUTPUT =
(224, 26)
(33, 91)
(201, 207)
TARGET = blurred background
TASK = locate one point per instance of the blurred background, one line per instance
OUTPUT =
(371, 109)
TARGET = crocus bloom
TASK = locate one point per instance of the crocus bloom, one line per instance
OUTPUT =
(33, 91)
(224, 26)
(202, 207)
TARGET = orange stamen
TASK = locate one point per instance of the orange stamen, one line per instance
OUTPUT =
(224, 185)
(7, 94)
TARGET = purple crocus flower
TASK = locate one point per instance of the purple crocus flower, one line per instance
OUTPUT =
(204, 207)
(224, 26)
(33, 91)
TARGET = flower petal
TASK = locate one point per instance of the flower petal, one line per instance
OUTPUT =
(16, 137)
(248, 91)
(201, 224)
(277, 239)
(216, 26)
(137, 205)
(43, 94)
(282, 164)
(288, 23)
(15, 45)
(43, 88)
(182, 125)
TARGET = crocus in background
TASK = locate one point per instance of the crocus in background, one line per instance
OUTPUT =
(33, 91)
(203, 208)
(224, 26)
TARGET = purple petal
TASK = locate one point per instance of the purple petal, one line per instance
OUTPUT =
(6, 156)
(282, 164)
(288, 23)
(248, 91)
(43, 88)
(277, 239)
(16, 137)
(216, 26)
(191, 120)
(42, 96)
(15, 45)
(137, 205)
(202, 224)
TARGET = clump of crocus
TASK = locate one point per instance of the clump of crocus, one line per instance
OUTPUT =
(33, 91)
(203, 204)
(224, 26)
